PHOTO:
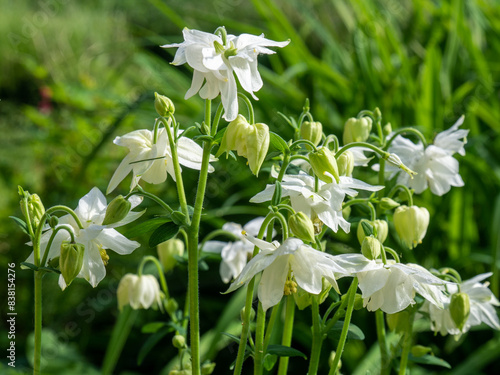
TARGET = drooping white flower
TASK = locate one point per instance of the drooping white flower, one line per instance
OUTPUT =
(482, 310)
(290, 261)
(215, 61)
(96, 238)
(393, 287)
(325, 204)
(140, 292)
(234, 254)
(152, 161)
(435, 165)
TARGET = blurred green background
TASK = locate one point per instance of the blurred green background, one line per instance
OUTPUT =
(77, 74)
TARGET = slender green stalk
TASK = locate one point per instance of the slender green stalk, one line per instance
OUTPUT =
(406, 347)
(384, 354)
(317, 338)
(306, 142)
(284, 166)
(38, 323)
(407, 130)
(270, 324)
(251, 116)
(67, 228)
(259, 341)
(406, 190)
(287, 333)
(163, 282)
(379, 151)
(153, 197)
(345, 328)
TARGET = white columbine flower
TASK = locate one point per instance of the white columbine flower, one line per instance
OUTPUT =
(393, 287)
(94, 236)
(140, 292)
(234, 254)
(151, 161)
(214, 60)
(290, 262)
(482, 302)
(325, 204)
(435, 165)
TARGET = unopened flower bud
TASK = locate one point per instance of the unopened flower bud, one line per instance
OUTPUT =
(398, 322)
(312, 131)
(302, 227)
(324, 164)
(380, 228)
(35, 207)
(371, 248)
(167, 252)
(411, 224)
(420, 350)
(257, 146)
(207, 368)
(171, 306)
(345, 163)
(346, 212)
(242, 314)
(179, 341)
(140, 292)
(163, 105)
(358, 300)
(235, 137)
(54, 262)
(460, 309)
(53, 221)
(117, 210)
(387, 129)
(71, 260)
(388, 204)
(331, 359)
(357, 129)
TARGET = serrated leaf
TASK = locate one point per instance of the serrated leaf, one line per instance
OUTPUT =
(429, 360)
(152, 327)
(354, 332)
(278, 143)
(151, 342)
(146, 227)
(284, 351)
(21, 223)
(163, 233)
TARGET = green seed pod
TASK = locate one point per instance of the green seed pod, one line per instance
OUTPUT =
(302, 227)
(411, 224)
(168, 250)
(380, 227)
(324, 164)
(371, 248)
(117, 210)
(460, 309)
(71, 260)
(311, 131)
(163, 105)
(357, 129)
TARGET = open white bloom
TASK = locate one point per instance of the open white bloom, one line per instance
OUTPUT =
(293, 262)
(435, 165)
(325, 204)
(482, 310)
(96, 238)
(140, 292)
(393, 287)
(234, 254)
(151, 161)
(214, 60)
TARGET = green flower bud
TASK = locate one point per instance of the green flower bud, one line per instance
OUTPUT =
(207, 368)
(71, 260)
(324, 164)
(331, 359)
(257, 146)
(388, 204)
(357, 129)
(54, 262)
(420, 350)
(345, 163)
(346, 212)
(35, 207)
(171, 306)
(117, 210)
(411, 224)
(168, 250)
(312, 131)
(303, 298)
(460, 309)
(163, 105)
(235, 137)
(387, 129)
(53, 221)
(242, 314)
(371, 248)
(179, 341)
(358, 300)
(302, 226)
(380, 228)
(398, 322)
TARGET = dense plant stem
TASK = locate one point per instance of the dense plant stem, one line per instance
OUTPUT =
(259, 341)
(406, 347)
(287, 333)
(317, 338)
(384, 354)
(38, 323)
(345, 328)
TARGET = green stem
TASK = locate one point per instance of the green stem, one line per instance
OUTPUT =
(287, 333)
(406, 190)
(306, 142)
(163, 282)
(384, 354)
(407, 130)
(217, 117)
(393, 253)
(284, 166)
(270, 324)
(38, 323)
(141, 191)
(317, 337)
(251, 116)
(67, 228)
(345, 328)
(259, 340)
(406, 347)
(379, 151)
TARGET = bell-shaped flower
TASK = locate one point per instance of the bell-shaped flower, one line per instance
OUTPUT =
(393, 287)
(234, 254)
(95, 237)
(152, 161)
(285, 265)
(435, 165)
(482, 304)
(325, 204)
(140, 292)
(215, 61)
(411, 224)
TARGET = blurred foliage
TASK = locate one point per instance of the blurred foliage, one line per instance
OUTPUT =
(76, 74)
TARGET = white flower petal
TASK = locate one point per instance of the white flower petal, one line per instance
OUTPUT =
(111, 239)
(272, 283)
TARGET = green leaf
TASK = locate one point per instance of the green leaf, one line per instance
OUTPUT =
(354, 333)
(151, 342)
(278, 143)
(163, 233)
(49, 269)
(284, 351)
(29, 265)
(270, 361)
(152, 327)
(236, 339)
(146, 226)
(219, 135)
(429, 360)
(21, 223)
(205, 138)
